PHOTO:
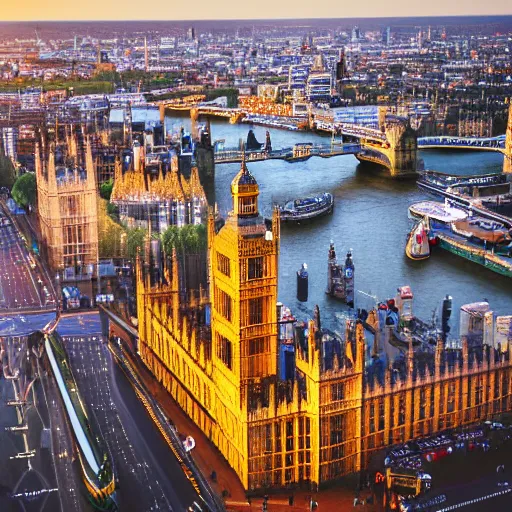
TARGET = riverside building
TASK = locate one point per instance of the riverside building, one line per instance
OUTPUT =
(326, 410)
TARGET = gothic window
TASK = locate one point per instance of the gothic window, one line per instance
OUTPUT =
(256, 311)
(224, 351)
(247, 205)
(223, 264)
(289, 436)
(256, 346)
(255, 268)
(336, 429)
(381, 414)
(224, 305)
(337, 391)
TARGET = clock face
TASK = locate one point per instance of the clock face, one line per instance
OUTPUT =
(349, 273)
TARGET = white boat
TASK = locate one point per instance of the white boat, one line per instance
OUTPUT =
(307, 208)
(441, 212)
(417, 247)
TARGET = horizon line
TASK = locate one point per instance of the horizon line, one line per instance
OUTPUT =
(106, 20)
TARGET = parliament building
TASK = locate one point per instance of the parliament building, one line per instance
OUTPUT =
(324, 413)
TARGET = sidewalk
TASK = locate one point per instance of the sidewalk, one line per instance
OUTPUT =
(209, 459)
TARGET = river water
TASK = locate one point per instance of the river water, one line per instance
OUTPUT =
(370, 217)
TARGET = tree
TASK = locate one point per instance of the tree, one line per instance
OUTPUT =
(7, 174)
(106, 189)
(24, 190)
(171, 238)
(135, 241)
(188, 239)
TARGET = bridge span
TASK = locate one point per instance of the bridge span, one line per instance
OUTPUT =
(497, 144)
(393, 144)
(295, 153)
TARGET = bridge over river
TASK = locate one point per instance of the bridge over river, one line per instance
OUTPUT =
(290, 154)
(394, 144)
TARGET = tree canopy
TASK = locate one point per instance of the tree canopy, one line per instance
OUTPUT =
(24, 190)
(189, 238)
(7, 174)
(134, 241)
(106, 189)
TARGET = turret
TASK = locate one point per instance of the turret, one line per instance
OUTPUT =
(245, 191)
(349, 279)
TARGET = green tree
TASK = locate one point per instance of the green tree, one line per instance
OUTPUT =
(24, 190)
(188, 239)
(135, 241)
(106, 189)
(171, 237)
(7, 174)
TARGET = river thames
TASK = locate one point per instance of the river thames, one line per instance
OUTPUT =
(370, 217)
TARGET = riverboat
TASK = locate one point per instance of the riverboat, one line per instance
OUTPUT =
(418, 247)
(394, 322)
(307, 208)
(482, 241)
(443, 213)
(440, 184)
(300, 153)
(496, 261)
(484, 230)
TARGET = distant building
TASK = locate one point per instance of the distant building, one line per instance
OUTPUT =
(356, 34)
(319, 87)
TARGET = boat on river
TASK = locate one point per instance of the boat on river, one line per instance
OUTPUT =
(441, 184)
(307, 208)
(488, 231)
(418, 247)
(301, 152)
(483, 241)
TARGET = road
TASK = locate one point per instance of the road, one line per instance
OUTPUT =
(32, 478)
(150, 477)
(21, 283)
(27, 463)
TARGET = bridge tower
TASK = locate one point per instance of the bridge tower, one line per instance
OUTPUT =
(403, 149)
(507, 162)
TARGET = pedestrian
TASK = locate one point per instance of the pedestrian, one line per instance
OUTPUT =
(355, 501)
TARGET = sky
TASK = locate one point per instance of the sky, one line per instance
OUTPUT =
(38, 10)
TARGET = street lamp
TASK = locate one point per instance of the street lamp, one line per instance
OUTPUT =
(57, 299)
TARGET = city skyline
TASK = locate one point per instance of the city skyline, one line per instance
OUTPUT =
(97, 10)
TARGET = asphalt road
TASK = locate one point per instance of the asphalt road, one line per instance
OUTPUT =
(21, 285)
(150, 477)
(19, 288)
(19, 475)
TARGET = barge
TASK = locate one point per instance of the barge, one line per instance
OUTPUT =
(488, 243)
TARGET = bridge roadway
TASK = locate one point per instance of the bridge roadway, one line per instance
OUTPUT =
(150, 476)
(234, 155)
(463, 143)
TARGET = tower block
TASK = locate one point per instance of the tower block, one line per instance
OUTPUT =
(507, 161)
